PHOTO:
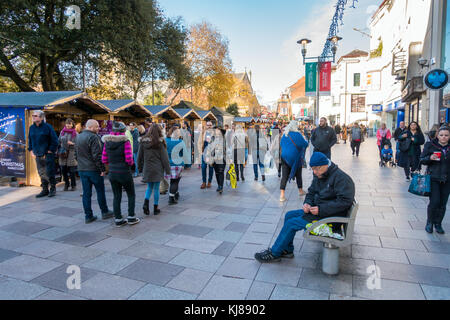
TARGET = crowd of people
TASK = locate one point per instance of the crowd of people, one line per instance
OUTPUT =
(159, 154)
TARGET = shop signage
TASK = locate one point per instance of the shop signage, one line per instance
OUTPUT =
(311, 79)
(377, 108)
(12, 142)
(325, 79)
(436, 79)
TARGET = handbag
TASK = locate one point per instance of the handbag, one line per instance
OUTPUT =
(420, 185)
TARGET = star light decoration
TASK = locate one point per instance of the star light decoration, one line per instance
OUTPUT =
(338, 20)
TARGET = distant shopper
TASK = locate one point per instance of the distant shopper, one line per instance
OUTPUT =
(401, 130)
(258, 148)
(43, 144)
(240, 145)
(118, 154)
(206, 138)
(176, 149)
(338, 131)
(88, 149)
(153, 161)
(344, 134)
(357, 137)
(66, 153)
(135, 134)
(217, 154)
(410, 149)
(323, 138)
(436, 155)
(383, 137)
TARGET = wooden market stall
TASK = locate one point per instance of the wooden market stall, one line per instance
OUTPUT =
(15, 119)
(164, 114)
(126, 111)
(246, 122)
(222, 116)
(190, 116)
(206, 116)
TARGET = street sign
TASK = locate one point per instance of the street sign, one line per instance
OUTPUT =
(325, 79)
(436, 79)
(311, 79)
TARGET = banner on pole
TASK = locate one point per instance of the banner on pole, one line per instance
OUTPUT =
(311, 79)
(325, 79)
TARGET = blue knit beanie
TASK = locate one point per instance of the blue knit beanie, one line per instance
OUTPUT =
(318, 159)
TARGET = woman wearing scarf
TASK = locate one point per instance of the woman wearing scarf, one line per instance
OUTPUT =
(436, 155)
(410, 142)
(66, 152)
(293, 148)
(217, 156)
(383, 134)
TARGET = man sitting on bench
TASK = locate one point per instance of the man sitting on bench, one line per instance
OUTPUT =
(331, 194)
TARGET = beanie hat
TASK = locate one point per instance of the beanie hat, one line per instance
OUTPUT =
(119, 127)
(318, 159)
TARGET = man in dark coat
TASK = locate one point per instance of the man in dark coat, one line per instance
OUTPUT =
(323, 138)
(331, 194)
(43, 144)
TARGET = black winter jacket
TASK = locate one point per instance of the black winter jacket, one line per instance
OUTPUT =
(439, 170)
(153, 162)
(88, 151)
(334, 194)
(323, 139)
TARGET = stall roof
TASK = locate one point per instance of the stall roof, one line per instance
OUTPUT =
(38, 99)
(130, 106)
(245, 120)
(204, 114)
(185, 113)
(186, 105)
(160, 110)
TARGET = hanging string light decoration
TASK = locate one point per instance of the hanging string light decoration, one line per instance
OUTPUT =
(338, 20)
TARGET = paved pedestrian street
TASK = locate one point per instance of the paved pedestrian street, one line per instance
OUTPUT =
(203, 247)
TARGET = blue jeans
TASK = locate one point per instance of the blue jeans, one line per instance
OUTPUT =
(89, 179)
(153, 187)
(135, 157)
(293, 222)
(211, 171)
(255, 168)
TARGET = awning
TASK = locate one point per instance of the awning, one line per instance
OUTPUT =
(166, 112)
(130, 106)
(206, 115)
(189, 114)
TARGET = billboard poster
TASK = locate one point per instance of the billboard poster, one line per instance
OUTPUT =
(311, 79)
(325, 79)
(105, 127)
(12, 142)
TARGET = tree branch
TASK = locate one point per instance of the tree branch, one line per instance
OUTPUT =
(11, 73)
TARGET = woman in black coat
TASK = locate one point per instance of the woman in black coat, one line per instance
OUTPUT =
(436, 155)
(410, 143)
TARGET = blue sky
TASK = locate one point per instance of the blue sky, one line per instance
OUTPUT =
(263, 34)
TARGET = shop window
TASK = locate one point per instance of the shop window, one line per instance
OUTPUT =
(358, 103)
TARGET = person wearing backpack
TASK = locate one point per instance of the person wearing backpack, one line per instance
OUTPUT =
(357, 138)
(293, 148)
(410, 143)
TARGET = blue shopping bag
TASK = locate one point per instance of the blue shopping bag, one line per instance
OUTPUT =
(420, 185)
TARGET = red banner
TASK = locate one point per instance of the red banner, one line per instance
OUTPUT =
(325, 79)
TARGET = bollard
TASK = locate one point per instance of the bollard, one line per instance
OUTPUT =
(330, 259)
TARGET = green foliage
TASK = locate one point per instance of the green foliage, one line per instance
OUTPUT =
(233, 109)
(159, 99)
(378, 52)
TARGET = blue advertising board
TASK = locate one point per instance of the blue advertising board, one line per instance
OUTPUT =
(12, 142)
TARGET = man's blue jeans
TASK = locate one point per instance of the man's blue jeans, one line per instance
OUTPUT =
(255, 168)
(211, 172)
(135, 158)
(89, 179)
(293, 222)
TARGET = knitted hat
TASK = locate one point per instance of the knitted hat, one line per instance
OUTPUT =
(318, 159)
(119, 127)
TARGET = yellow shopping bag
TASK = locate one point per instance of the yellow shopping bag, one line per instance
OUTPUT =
(231, 176)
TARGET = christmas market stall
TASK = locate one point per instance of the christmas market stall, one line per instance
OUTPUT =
(164, 114)
(126, 111)
(190, 116)
(245, 121)
(15, 119)
(206, 116)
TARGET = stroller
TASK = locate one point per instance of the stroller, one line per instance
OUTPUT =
(387, 154)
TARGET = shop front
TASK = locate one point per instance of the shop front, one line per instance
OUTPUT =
(412, 99)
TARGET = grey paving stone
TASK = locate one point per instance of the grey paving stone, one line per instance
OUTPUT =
(7, 254)
(282, 292)
(223, 235)
(303, 260)
(151, 271)
(198, 261)
(224, 249)
(190, 280)
(362, 240)
(65, 211)
(52, 233)
(64, 222)
(11, 241)
(395, 243)
(244, 250)
(222, 288)
(415, 234)
(152, 292)
(260, 291)
(35, 217)
(57, 278)
(110, 262)
(279, 273)
(429, 259)
(239, 268)
(355, 266)
(237, 227)
(77, 255)
(214, 223)
(12, 289)
(43, 248)
(81, 238)
(375, 231)
(262, 227)
(156, 237)
(25, 228)
(108, 287)
(413, 273)
(257, 238)
(341, 297)
(235, 218)
(226, 209)
(190, 230)
(113, 244)
(26, 267)
(316, 280)
(57, 296)
(420, 225)
(152, 251)
(382, 254)
(390, 290)
(436, 293)
(437, 247)
(193, 243)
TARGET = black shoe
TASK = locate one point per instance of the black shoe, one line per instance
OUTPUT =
(52, 192)
(237, 179)
(429, 227)
(256, 178)
(243, 179)
(264, 178)
(74, 188)
(287, 255)
(439, 229)
(172, 201)
(146, 207)
(121, 223)
(90, 220)
(108, 215)
(156, 210)
(133, 221)
(44, 193)
(266, 257)
(220, 190)
(177, 196)
(279, 175)
(66, 187)
(408, 179)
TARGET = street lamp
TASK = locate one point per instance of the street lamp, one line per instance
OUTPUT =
(304, 43)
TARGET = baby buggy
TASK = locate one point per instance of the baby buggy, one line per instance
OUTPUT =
(387, 154)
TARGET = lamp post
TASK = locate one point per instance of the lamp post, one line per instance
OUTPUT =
(304, 43)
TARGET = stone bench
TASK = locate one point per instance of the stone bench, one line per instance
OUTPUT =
(330, 256)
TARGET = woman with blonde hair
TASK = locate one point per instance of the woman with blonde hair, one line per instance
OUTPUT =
(66, 152)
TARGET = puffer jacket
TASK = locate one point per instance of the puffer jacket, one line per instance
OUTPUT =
(153, 162)
(323, 139)
(439, 170)
(88, 152)
(70, 160)
(334, 194)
